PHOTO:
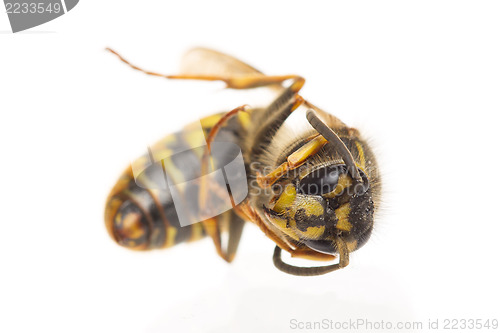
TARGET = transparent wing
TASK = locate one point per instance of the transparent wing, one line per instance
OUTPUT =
(203, 61)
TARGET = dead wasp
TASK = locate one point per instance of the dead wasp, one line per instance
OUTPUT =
(312, 190)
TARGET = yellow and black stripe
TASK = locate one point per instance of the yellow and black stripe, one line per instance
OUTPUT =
(144, 217)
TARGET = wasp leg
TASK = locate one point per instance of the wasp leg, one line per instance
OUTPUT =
(295, 160)
(206, 154)
(216, 128)
(299, 157)
(278, 111)
(228, 222)
(271, 119)
(212, 229)
(245, 81)
(238, 82)
(236, 225)
(214, 226)
(246, 212)
(312, 271)
(265, 181)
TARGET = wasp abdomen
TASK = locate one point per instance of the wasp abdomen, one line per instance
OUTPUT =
(140, 212)
(144, 219)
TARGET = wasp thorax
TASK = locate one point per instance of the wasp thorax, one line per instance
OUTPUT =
(323, 206)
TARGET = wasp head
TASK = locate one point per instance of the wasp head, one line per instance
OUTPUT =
(324, 206)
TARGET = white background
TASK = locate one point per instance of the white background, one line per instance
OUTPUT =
(421, 79)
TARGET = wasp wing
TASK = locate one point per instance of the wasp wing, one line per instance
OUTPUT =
(207, 62)
(203, 61)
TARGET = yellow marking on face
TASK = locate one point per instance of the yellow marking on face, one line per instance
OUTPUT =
(171, 233)
(312, 147)
(281, 224)
(196, 232)
(342, 214)
(311, 206)
(286, 199)
(314, 232)
(361, 153)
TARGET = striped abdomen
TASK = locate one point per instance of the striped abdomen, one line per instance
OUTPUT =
(144, 219)
(140, 212)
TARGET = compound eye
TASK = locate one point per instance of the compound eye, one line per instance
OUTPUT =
(321, 181)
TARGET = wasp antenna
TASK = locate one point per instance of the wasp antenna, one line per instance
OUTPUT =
(310, 271)
(337, 143)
